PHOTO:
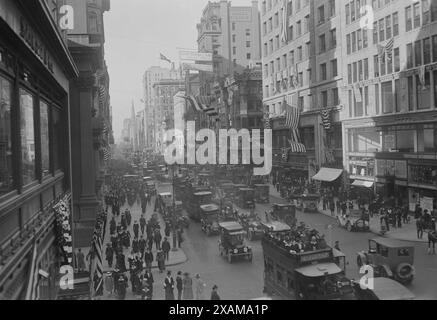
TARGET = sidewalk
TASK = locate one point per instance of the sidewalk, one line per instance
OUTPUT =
(406, 233)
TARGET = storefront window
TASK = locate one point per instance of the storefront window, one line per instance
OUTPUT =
(387, 97)
(28, 171)
(423, 91)
(308, 137)
(45, 151)
(423, 174)
(405, 140)
(6, 178)
(364, 140)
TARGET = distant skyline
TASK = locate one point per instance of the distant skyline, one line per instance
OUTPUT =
(136, 32)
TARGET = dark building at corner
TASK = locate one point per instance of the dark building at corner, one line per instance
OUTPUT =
(35, 70)
(91, 131)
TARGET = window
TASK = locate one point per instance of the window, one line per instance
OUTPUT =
(375, 32)
(247, 44)
(335, 99)
(349, 73)
(28, 172)
(248, 56)
(381, 30)
(321, 14)
(45, 138)
(6, 176)
(324, 99)
(416, 13)
(323, 71)
(359, 105)
(433, 11)
(93, 24)
(382, 69)
(331, 8)
(397, 61)
(365, 39)
(408, 19)
(299, 28)
(354, 42)
(234, 50)
(410, 56)
(234, 38)
(333, 38)
(348, 43)
(334, 68)
(423, 92)
(359, 40)
(377, 98)
(322, 43)
(355, 72)
(434, 48)
(387, 97)
(395, 24)
(418, 53)
(366, 69)
(360, 70)
(348, 14)
(427, 51)
(352, 6)
(57, 142)
(233, 26)
(388, 27)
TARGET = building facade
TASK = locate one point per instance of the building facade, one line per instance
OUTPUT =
(165, 90)
(301, 69)
(389, 117)
(152, 76)
(91, 129)
(35, 70)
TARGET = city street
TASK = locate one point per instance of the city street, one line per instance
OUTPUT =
(244, 280)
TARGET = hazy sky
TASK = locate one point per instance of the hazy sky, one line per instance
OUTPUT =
(137, 31)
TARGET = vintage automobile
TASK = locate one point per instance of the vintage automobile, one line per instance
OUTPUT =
(227, 211)
(252, 225)
(389, 258)
(262, 193)
(285, 213)
(231, 243)
(382, 289)
(195, 201)
(309, 202)
(354, 221)
(245, 198)
(209, 217)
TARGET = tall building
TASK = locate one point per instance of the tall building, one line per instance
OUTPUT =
(35, 184)
(165, 90)
(232, 34)
(389, 118)
(152, 76)
(302, 69)
(90, 115)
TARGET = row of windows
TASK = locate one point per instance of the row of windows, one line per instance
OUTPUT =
(386, 28)
(419, 14)
(39, 132)
(297, 4)
(357, 40)
(422, 52)
(330, 11)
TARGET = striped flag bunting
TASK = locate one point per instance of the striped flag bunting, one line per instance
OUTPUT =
(97, 253)
(326, 119)
(284, 28)
(102, 95)
(292, 116)
(267, 121)
(193, 102)
(106, 154)
(63, 219)
(389, 49)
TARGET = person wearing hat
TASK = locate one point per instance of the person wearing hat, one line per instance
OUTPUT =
(179, 284)
(200, 286)
(122, 286)
(148, 277)
(187, 284)
(136, 228)
(109, 254)
(169, 286)
(109, 283)
(214, 293)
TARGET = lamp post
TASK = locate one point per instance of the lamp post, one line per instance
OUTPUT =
(174, 211)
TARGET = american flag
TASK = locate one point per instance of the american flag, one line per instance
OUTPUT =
(284, 36)
(33, 282)
(326, 119)
(292, 116)
(97, 246)
(162, 57)
(193, 102)
(389, 49)
(267, 121)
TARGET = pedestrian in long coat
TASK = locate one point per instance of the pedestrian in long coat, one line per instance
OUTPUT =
(121, 287)
(142, 224)
(148, 259)
(136, 228)
(148, 276)
(187, 283)
(169, 287)
(160, 257)
(80, 259)
(158, 238)
(179, 285)
(142, 246)
(136, 245)
(200, 287)
(109, 255)
(109, 283)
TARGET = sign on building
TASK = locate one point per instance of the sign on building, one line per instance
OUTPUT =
(195, 56)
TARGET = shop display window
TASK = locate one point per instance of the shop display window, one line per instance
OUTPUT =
(6, 172)
(28, 171)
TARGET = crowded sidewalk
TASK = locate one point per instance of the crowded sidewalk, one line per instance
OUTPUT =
(408, 232)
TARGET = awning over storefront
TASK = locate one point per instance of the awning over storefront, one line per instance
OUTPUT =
(360, 183)
(328, 174)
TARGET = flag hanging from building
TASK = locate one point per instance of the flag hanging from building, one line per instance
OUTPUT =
(292, 116)
(97, 251)
(389, 49)
(267, 121)
(326, 119)
(381, 52)
(32, 292)
(357, 93)
(162, 57)
(193, 102)
(284, 31)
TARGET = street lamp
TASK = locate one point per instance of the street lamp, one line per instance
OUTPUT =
(174, 210)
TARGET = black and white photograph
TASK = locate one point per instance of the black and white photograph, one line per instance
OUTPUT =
(186, 151)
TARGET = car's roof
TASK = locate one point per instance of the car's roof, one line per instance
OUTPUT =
(209, 207)
(388, 289)
(391, 243)
(319, 270)
(231, 226)
(165, 194)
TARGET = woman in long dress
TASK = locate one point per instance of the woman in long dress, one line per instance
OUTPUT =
(187, 283)
(200, 287)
